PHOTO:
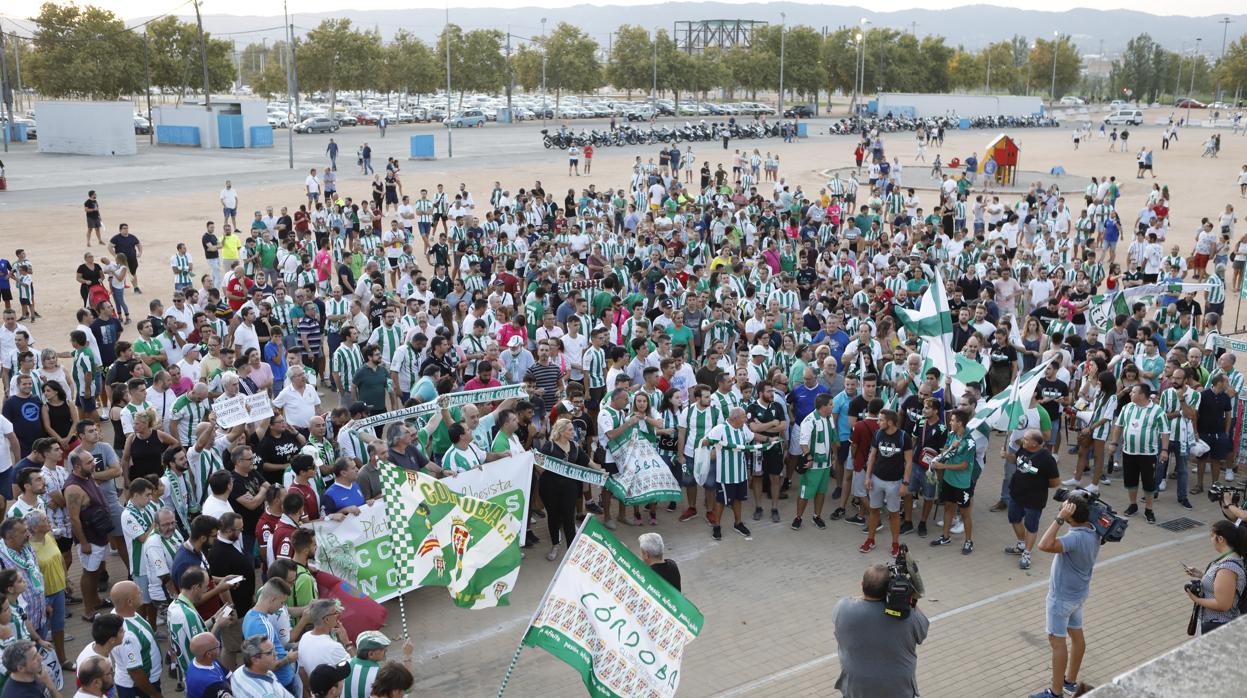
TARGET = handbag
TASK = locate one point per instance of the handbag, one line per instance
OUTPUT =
(1200, 448)
(701, 464)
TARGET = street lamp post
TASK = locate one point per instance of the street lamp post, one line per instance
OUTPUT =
(653, 94)
(783, 19)
(450, 138)
(544, 106)
(862, 74)
(1056, 37)
(1191, 91)
(1225, 28)
(857, 60)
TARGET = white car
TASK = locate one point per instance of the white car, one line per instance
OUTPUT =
(1124, 117)
(1072, 101)
(1117, 105)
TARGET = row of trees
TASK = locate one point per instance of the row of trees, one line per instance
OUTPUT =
(88, 52)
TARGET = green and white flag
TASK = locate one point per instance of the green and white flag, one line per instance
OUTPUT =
(1004, 411)
(614, 620)
(1103, 309)
(933, 323)
(440, 537)
(643, 475)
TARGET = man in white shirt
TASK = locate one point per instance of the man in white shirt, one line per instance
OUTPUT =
(297, 400)
(318, 646)
(229, 204)
(1040, 289)
(313, 187)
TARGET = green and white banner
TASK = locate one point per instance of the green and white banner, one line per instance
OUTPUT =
(643, 475)
(579, 473)
(1004, 411)
(384, 553)
(447, 401)
(449, 537)
(615, 621)
(1103, 310)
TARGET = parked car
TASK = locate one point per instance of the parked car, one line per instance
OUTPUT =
(642, 113)
(278, 120)
(469, 118)
(1072, 101)
(1124, 117)
(1189, 103)
(345, 119)
(142, 126)
(799, 111)
(363, 117)
(316, 124)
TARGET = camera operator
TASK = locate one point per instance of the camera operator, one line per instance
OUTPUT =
(878, 653)
(1068, 587)
(1230, 510)
(1220, 585)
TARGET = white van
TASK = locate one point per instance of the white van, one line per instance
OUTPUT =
(1124, 117)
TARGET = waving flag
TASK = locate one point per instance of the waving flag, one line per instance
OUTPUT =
(933, 323)
(1004, 411)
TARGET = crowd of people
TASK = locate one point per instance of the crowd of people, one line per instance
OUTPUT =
(739, 314)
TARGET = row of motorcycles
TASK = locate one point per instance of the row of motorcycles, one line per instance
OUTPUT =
(626, 134)
(900, 124)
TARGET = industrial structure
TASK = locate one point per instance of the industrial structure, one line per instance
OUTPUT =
(697, 36)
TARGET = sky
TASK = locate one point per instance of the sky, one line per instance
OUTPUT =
(129, 8)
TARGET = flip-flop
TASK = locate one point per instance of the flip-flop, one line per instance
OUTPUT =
(91, 618)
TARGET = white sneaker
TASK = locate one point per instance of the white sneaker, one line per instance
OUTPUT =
(1071, 482)
(957, 526)
(1093, 489)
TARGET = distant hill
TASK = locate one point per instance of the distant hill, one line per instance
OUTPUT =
(971, 26)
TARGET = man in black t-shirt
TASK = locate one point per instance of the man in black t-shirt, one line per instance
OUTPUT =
(246, 495)
(1212, 422)
(212, 251)
(1053, 394)
(857, 406)
(92, 208)
(887, 477)
(767, 417)
(125, 243)
(279, 445)
(1028, 492)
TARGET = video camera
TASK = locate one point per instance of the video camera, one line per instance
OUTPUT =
(906, 586)
(1107, 524)
(1217, 490)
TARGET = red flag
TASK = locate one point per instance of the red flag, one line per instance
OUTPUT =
(359, 613)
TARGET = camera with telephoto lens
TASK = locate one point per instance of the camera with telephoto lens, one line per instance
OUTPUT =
(1217, 490)
(905, 588)
(1195, 586)
(1107, 524)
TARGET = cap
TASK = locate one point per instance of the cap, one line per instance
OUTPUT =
(326, 676)
(757, 351)
(515, 341)
(359, 406)
(667, 303)
(371, 640)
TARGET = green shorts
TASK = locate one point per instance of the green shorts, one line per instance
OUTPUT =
(814, 481)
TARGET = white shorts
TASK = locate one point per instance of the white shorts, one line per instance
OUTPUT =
(794, 442)
(885, 493)
(91, 562)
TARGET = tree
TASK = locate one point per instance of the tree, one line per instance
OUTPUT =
(409, 65)
(1143, 68)
(571, 61)
(84, 52)
(839, 58)
(526, 65)
(966, 71)
(804, 72)
(1068, 63)
(631, 61)
(335, 54)
(476, 60)
(1231, 71)
(175, 57)
(271, 82)
(743, 71)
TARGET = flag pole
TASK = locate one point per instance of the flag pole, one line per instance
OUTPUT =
(515, 658)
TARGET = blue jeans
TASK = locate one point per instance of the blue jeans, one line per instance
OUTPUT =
(367, 165)
(1162, 471)
(296, 685)
(119, 300)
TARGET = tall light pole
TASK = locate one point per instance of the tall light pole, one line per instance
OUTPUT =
(987, 89)
(857, 60)
(783, 29)
(203, 58)
(450, 138)
(543, 68)
(1056, 37)
(653, 95)
(290, 116)
(862, 75)
(1191, 91)
(1225, 23)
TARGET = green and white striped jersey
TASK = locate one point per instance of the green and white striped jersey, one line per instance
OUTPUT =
(820, 435)
(337, 306)
(389, 339)
(1141, 429)
(725, 402)
(1216, 294)
(1169, 403)
(594, 363)
(184, 624)
(424, 210)
(733, 464)
(698, 422)
(139, 649)
(359, 683)
(85, 368)
(181, 265)
(459, 460)
(188, 414)
(345, 362)
(1103, 408)
(135, 523)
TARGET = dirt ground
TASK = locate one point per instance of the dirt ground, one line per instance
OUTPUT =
(52, 230)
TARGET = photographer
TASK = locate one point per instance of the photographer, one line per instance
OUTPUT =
(1068, 587)
(878, 653)
(1220, 585)
(1230, 510)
